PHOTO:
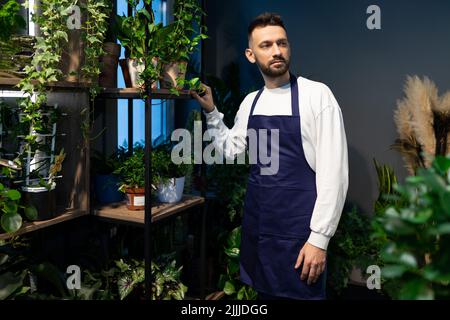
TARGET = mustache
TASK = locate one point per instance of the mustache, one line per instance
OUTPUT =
(278, 60)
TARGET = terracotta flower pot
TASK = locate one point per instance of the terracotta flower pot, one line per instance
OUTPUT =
(135, 198)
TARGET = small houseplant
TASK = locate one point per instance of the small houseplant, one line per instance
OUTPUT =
(15, 50)
(10, 205)
(41, 163)
(177, 41)
(10, 218)
(131, 34)
(10, 19)
(132, 175)
(168, 177)
(105, 180)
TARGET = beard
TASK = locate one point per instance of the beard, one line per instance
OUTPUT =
(274, 70)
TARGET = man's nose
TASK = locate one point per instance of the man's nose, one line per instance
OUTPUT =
(276, 50)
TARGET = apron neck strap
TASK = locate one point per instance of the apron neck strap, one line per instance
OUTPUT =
(294, 96)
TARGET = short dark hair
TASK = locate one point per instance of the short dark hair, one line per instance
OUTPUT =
(265, 19)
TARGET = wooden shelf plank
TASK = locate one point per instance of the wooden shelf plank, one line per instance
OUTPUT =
(36, 225)
(119, 211)
(135, 93)
(11, 84)
(106, 93)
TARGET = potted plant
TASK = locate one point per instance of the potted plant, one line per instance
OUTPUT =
(168, 177)
(15, 50)
(132, 175)
(177, 41)
(10, 206)
(131, 32)
(105, 180)
(10, 218)
(41, 193)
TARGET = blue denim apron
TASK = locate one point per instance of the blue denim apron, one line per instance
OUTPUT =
(278, 210)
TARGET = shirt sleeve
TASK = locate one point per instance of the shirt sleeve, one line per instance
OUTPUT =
(331, 171)
(229, 142)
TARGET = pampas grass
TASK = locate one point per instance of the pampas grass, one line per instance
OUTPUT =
(423, 123)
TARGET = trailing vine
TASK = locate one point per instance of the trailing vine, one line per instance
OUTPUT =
(94, 34)
(44, 67)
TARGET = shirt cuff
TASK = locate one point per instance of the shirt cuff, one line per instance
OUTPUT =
(319, 240)
(213, 114)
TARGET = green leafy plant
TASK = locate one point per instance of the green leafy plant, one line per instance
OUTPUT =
(130, 276)
(131, 29)
(11, 220)
(350, 248)
(94, 33)
(177, 41)
(417, 234)
(132, 170)
(131, 32)
(10, 208)
(166, 284)
(230, 282)
(43, 70)
(180, 37)
(163, 168)
(10, 19)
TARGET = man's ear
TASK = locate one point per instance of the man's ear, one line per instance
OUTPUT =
(250, 56)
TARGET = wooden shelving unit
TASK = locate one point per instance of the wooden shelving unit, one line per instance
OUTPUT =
(36, 225)
(118, 212)
(11, 84)
(75, 188)
(136, 93)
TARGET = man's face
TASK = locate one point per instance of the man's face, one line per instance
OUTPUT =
(269, 49)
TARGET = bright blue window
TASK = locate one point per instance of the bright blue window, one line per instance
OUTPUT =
(160, 114)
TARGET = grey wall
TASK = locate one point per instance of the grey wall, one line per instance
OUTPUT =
(365, 69)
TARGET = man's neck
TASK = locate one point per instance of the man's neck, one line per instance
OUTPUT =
(272, 83)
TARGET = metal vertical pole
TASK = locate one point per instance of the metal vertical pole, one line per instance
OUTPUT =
(148, 173)
(130, 101)
(202, 177)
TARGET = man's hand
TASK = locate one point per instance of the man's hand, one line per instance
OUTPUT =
(206, 100)
(313, 259)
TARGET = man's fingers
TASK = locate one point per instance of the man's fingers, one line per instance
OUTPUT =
(305, 270)
(299, 259)
(322, 268)
(313, 274)
(195, 94)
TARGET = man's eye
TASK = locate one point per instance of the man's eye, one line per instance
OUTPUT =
(283, 44)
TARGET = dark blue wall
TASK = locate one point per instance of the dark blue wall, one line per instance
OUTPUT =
(365, 69)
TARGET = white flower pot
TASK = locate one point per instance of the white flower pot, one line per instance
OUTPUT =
(172, 191)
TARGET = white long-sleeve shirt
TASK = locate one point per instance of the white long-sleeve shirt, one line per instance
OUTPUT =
(323, 139)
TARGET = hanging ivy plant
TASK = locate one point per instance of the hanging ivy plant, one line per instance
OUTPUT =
(94, 34)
